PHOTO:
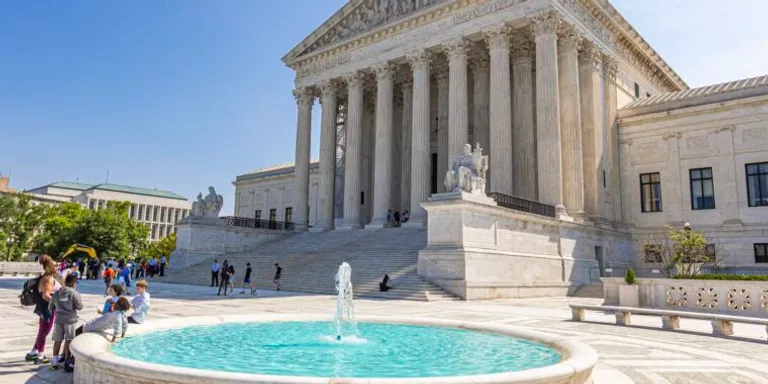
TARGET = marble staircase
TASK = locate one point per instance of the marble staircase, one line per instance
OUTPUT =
(310, 262)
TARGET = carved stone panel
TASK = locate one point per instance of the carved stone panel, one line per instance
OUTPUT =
(648, 150)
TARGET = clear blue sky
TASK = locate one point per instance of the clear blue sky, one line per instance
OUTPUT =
(182, 94)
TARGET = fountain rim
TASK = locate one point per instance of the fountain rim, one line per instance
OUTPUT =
(93, 352)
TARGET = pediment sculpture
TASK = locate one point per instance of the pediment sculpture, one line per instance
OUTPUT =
(468, 171)
(369, 15)
(208, 207)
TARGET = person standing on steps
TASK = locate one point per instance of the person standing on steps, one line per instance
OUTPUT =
(215, 268)
(397, 219)
(224, 276)
(278, 275)
(247, 279)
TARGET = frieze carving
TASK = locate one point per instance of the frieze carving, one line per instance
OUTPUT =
(697, 142)
(367, 16)
(754, 134)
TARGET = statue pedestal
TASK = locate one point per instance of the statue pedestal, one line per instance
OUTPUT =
(477, 250)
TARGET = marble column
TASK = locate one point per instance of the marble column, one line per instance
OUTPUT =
(628, 183)
(441, 76)
(382, 174)
(611, 199)
(481, 81)
(590, 62)
(500, 166)
(420, 151)
(549, 155)
(327, 177)
(354, 136)
(458, 114)
(570, 122)
(406, 85)
(524, 127)
(304, 100)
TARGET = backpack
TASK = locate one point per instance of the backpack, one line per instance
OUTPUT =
(29, 294)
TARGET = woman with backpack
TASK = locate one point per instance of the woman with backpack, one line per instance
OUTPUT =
(48, 283)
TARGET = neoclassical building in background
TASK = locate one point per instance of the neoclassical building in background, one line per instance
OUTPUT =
(574, 108)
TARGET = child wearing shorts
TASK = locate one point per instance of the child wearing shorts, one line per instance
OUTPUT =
(65, 303)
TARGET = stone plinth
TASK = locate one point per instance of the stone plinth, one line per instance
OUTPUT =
(199, 239)
(477, 250)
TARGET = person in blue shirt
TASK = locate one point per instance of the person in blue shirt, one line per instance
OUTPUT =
(125, 277)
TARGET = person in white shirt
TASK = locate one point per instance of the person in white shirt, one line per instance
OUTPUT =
(215, 268)
(140, 303)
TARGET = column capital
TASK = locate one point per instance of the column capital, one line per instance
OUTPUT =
(591, 55)
(479, 61)
(384, 71)
(522, 48)
(457, 49)
(545, 24)
(420, 60)
(304, 96)
(354, 79)
(610, 67)
(569, 41)
(497, 37)
(328, 88)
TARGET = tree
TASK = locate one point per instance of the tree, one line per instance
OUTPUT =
(58, 231)
(683, 251)
(20, 221)
(160, 248)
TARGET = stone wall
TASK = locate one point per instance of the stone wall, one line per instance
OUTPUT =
(200, 239)
(477, 250)
(743, 298)
(20, 268)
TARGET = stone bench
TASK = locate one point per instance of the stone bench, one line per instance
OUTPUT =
(722, 325)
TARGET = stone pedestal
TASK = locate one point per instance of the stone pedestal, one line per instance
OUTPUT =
(477, 250)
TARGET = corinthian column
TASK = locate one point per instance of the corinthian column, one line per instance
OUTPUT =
(524, 127)
(304, 100)
(481, 80)
(591, 128)
(549, 155)
(354, 135)
(500, 110)
(406, 84)
(327, 181)
(570, 122)
(420, 152)
(611, 139)
(458, 119)
(382, 174)
(443, 164)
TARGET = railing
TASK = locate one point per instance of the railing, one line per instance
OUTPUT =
(647, 273)
(520, 204)
(247, 222)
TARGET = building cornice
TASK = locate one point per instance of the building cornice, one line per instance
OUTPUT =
(690, 111)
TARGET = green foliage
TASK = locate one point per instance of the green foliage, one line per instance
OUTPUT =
(58, 228)
(723, 276)
(629, 277)
(160, 248)
(683, 252)
(20, 221)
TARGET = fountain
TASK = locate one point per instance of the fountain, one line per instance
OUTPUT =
(345, 307)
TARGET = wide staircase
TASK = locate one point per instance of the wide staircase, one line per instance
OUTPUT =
(310, 262)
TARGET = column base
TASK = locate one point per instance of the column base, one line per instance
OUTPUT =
(320, 229)
(378, 223)
(415, 222)
(347, 226)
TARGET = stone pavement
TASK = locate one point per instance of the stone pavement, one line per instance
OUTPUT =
(640, 354)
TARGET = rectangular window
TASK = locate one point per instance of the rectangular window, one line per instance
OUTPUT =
(761, 253)
(702, 189)
(711, 251)
(141, 212)
(650, 192)
(133, 211)
(637, 91)
(652, 253)
(257, 215)
(288, 215)
(92, 204)
(273, 214)
(757, 184)
(154, 214)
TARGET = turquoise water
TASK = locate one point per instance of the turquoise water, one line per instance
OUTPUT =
(309, 349)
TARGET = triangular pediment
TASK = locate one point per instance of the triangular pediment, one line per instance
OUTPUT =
(356, 18)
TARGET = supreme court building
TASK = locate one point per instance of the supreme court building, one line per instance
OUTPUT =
(574, 108)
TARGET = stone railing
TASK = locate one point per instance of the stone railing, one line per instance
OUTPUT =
(743, 298)
(20, 268)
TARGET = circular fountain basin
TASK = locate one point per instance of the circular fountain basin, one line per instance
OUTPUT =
(302, 349)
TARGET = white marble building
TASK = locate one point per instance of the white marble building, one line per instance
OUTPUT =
(553, 90)
(157, 209)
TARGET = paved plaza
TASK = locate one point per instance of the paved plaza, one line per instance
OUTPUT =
(638, 354)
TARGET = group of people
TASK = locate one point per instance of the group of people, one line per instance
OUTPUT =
(83, 269)
(396, 219)
(223, 276)
(58, 303)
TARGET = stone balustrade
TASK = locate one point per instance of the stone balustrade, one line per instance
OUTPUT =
(744, 298)
(20, 268)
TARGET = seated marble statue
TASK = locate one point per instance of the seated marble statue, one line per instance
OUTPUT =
(468, 171)
(210, 206)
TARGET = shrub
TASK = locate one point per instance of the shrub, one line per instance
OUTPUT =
(629, 277)
(723, 276)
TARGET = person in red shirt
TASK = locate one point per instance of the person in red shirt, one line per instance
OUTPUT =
(109, 275)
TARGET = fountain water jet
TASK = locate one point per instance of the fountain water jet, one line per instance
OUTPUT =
(345, 307)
